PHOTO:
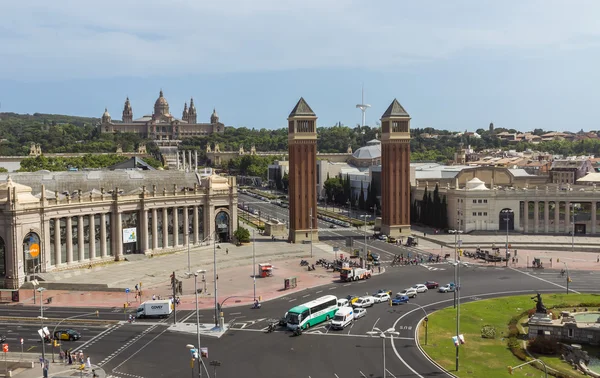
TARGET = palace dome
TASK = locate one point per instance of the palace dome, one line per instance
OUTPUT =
(161, 106)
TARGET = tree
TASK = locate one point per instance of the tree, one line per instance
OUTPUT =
(361, 197)
(242, 235)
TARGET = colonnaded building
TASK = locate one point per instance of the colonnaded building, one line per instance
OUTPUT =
(58, 220)
(161, 125)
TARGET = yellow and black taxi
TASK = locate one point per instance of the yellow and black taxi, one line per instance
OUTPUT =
(67, 334)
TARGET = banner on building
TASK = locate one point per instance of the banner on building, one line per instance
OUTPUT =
(129, 235)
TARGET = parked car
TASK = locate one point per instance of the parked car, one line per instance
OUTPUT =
(381, 297)
(364, 302)
(432, 284)
(399, 299)
(420, 288)
(410, 292)
(67, 334)
(389, 292)
(359, 313)
(352, 298)
(447, 288)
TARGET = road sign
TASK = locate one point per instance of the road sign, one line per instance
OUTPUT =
(127, 290)
(5, 348)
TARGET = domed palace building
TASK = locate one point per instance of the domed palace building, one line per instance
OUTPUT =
(162, 125)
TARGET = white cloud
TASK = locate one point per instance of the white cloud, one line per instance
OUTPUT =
(71, 39)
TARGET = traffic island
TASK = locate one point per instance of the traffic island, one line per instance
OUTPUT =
(493, 336)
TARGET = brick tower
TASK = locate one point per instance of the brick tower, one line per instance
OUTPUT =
(395, 171)
(302, 188)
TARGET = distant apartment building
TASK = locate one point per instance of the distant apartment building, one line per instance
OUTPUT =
(569, 171)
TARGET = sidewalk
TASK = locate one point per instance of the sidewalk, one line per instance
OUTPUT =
(59, 370)
(234, 276)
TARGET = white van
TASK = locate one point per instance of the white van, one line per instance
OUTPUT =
(343, 302)
(343, 317)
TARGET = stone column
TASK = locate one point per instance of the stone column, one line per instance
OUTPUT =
(92, 237)
(80, 238)
(102, 235)
(195, 225)
(183, 159)
(144, 230)
(165, 229)
(119, 236)
(196, 161)
(190, 160)
(69, 236)
(175, 227)
(536, 217)
(546, 216)
(186, 226)
(556, 217)
(154, 230)
(567, 217)
(526, 219)
(177, 152)
(594, 205)
(57, 249)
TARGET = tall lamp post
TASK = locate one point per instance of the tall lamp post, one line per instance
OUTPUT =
(215, 277)
(507, 213)
(457, 288)
(366, 251)
(568, 276)
(376, 332)
(41, 317)
(310, 218)
(254, 263)
(195, 274)
(573, 208)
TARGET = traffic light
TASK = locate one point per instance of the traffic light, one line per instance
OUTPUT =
(192, 363)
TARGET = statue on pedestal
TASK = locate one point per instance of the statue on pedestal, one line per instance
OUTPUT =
(539, 305)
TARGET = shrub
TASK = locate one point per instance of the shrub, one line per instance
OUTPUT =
(543, 345)
(488, 332)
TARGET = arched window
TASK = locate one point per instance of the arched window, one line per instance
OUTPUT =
(32, 253)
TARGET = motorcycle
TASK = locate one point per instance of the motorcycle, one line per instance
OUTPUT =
(297, 332)
(304, 263)
(256, 306)
(271, 328)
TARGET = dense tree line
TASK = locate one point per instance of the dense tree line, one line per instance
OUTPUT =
(432, 210)
(338, 191)
(89, 161)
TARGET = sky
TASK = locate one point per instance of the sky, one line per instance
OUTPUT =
(456, 65)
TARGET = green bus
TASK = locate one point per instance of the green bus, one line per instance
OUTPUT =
(312, 313)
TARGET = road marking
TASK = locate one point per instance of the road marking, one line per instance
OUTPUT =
(347, 284)
(235, 313)
(307, 295)
(361, 373)
(139, 350)
(336, 376)
(320, 291)
(291, 300)
(332, 288)
(390, 373)
(372, 328)
(543, 280)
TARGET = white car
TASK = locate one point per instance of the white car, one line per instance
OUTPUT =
(363, 302)
(410, 292)
(420, 288)
(381, 297)
(359, 313)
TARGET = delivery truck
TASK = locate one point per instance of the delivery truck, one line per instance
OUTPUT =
(155, 309)
(354, 274)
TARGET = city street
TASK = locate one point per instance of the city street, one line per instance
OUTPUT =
(149, 349)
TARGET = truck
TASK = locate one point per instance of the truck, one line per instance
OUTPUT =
(155, 309)
(354, 274)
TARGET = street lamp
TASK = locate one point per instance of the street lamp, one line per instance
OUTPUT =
(254, 263)
(376, 332)
(568, 276)
(457, 288)
(507, 213)
(41, 317)
(366, 252)
(195, 274)
(215, 277)
(310, 218)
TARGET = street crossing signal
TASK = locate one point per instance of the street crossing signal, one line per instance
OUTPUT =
(5, 348)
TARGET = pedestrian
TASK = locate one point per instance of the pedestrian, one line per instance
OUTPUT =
(379, 268)
(70, 359)
(153, 297)
(136, 287)
(226, 251)
(94, 375)
(598, 259)
(88, 363)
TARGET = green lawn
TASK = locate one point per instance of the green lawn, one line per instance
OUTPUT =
(488, 358)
